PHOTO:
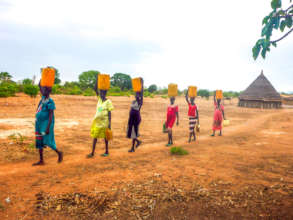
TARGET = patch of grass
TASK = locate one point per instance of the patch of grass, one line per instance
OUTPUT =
(17, 138)
(1, 207)
(178, 151)
(164, 96)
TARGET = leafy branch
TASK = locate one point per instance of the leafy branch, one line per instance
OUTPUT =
(278, 19)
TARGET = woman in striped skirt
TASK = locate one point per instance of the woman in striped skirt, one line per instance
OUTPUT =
(193, 116)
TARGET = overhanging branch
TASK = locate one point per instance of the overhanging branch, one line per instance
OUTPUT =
(285, 35)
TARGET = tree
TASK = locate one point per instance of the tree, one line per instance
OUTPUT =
(123, 81)
(27, 81)
(57, 77)
(278, 19)
(5, 76)
(152, 88)
(88, 79)
(203, 93)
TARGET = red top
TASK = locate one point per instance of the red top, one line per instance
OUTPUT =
(172, 110)
(221, 107)
(192, 110)
(171, 115)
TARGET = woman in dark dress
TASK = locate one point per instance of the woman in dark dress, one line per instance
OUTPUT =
(135, 119)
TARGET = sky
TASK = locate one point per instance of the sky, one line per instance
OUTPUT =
(203, 43)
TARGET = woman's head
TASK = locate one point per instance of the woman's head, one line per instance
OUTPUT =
(103, 94)
(45, 91)
(172, 100)
(138, 97)
(218, 101)
(192, 100)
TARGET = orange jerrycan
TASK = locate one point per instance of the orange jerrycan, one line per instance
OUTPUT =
(109, 134)
(48, 76)
(192, 91)
(219, 94)
(103, 82)
(172, 90)
(136, 84)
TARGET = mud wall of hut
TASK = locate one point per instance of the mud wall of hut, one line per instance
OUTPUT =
(259, 104)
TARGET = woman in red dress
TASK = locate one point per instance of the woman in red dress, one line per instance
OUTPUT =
(218, 116)
(172, 114)
(192, 115)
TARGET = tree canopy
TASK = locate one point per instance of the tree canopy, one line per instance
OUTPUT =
(152, 88)
(27, 81)
(5, 76)
(57, 77)
(121, 80)
(280, 19)
(88, 79)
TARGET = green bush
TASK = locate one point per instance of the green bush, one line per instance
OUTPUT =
(57, 89)
(146, 94)
(89, 92)
(178, 151)
(152, 96)
(114, 89)
(203, 93)
(31, 90)
(74, 91)
(164, 96)
(231, 94)
(8, 89)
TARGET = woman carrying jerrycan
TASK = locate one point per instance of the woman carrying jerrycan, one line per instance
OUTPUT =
(45, 120)
(101, 125)
(192, 111)
(219, 113)
(134, 114)
(172, 113)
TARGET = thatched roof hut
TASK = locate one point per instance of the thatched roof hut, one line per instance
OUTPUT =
(260, 94)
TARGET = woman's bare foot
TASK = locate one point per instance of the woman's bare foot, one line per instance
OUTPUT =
(138, 143)
(60, 157)
(90, 155)
(40, 163)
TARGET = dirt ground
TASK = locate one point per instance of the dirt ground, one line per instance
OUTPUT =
(245, 174)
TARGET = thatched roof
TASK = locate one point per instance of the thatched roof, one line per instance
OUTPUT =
(260, 90)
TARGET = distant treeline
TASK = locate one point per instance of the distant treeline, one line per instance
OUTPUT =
(120, 86)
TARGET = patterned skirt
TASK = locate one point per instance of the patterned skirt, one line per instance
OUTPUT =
(192, 123)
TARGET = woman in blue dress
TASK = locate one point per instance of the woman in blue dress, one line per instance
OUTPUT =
(44, 126)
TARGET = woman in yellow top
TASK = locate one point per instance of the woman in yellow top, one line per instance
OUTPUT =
(102, 120)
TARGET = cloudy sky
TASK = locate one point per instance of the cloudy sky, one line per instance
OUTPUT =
(202, 43)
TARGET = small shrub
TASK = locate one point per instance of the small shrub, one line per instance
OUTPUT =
(17, 138)
(115, 89)
(164, 96)
(74, 91)
(1, 207)
(57, 89)
(178, 151)
(8, 89)
(146, 94)
(89, 92)
(152, 96)
(31, 90)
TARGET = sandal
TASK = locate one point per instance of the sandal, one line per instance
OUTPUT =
(104, 155)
